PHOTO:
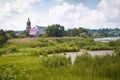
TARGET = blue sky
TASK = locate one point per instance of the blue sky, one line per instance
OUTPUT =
(93, 14)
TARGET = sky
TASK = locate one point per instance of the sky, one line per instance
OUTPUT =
(92, 14)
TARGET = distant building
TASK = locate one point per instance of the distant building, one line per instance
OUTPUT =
(35, 31)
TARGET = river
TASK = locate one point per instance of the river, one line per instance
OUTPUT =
(106, 39)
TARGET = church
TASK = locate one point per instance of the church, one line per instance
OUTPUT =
(36, 30)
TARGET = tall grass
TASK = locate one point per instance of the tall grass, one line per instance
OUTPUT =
(29, 66)
(100, 67)
(85, 67)
(55, 61)
(36, 47)
(41, 46)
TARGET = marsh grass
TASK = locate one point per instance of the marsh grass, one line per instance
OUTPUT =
(22, 60)
(85, 67)
(36, 47)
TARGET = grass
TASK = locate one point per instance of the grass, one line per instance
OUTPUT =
(59, 68)
(16, 67)
(20, 60)
(41, 46)
(36, 47)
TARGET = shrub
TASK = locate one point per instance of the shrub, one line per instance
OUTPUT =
(11, 49)
(55, 61)
(118, 51)
(2, 51)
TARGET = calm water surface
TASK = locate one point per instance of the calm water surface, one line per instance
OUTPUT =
(107, 39)
(73, 55)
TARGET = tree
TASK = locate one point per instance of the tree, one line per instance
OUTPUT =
(76, 31)
(25, 33)
(83, 35)
(3, 37)
(54, 30)
(10, 34)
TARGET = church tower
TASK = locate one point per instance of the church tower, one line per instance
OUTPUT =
(28, 25)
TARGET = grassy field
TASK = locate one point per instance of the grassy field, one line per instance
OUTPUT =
(20, 60)
(44, 46)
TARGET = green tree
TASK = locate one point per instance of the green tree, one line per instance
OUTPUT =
(54, 30)
(83, 35)
(3, 37)
(76, 31)
(11, 34)
(25, 33)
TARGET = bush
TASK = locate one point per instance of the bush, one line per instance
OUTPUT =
(55, 61)
(2, 51)
(11, 49)
(118, 51)
(98, 47)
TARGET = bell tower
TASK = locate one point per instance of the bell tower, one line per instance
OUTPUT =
(28, 27)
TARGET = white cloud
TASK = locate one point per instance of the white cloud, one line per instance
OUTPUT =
(110, 8)
(60, 12)
(60, 0)
(106, 15)
(14, 15)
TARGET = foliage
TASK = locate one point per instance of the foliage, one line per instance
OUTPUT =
(55, 30)
(85, 67)
(3, 37)
(83, 35)
(104, 67)
(114, 43)
(76, 32)
(24, 62)
(55, 61)
(105, 32)
(116, 46)
(41, 46)
(25, 33)
(10, 34)
(44, 46)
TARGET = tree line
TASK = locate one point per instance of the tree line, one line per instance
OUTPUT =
(106, 32)
(56, 30)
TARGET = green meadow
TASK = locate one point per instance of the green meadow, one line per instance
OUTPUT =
(20, 59)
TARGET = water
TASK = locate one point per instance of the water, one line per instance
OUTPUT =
(107, 39)
(73, 55)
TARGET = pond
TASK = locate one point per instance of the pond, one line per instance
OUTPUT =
(73, 55)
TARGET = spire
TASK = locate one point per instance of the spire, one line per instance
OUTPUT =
(28, 25)
(28, 19)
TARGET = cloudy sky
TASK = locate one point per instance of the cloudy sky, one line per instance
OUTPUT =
(93, 14)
